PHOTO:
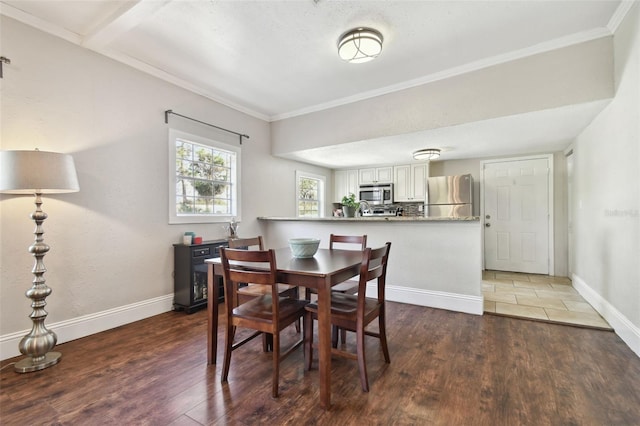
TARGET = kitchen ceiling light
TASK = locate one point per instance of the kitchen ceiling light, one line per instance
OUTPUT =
(427, 154)
(360, 45)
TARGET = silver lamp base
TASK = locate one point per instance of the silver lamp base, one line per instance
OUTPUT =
(27, 366)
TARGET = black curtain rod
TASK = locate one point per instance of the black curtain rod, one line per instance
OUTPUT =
(166, 120)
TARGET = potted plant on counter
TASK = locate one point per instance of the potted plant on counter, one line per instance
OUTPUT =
(350, 205)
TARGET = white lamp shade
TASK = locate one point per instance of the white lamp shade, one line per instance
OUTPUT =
(30, 172)
(360, 45)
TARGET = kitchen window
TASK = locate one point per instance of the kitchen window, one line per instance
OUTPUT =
(310, 194)
(204, 184)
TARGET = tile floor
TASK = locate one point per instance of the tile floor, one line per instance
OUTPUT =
(538, 297)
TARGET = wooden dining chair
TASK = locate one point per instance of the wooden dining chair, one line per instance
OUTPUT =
(338, 241)
(350, 242)
(269, 313)
(355, 312)
(250, 290)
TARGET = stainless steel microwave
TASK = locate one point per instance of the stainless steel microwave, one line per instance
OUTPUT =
(376, 195)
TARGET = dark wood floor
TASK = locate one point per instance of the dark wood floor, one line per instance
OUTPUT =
(446, 369)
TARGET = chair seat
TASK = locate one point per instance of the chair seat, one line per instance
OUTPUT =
(349, 287)
(261, 309)
(260, 290)
(345, 305)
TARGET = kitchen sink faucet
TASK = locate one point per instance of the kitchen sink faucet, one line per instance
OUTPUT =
(367, 205)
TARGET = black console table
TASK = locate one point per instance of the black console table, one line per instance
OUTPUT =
(190, 274)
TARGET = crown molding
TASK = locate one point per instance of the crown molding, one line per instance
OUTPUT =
(558, 43)
(96, 43)
(170, 78)
(619, 15)
(39, 24)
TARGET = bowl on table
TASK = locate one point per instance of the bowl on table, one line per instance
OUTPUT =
(304, 247)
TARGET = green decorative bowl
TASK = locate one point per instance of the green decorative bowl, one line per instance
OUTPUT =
(304, 247)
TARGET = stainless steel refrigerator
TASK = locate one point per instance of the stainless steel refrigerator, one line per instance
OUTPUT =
(449, 196)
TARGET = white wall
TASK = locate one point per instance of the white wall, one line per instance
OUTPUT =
(431, 263)
(457, 167)
(607, 195)
(111, 245)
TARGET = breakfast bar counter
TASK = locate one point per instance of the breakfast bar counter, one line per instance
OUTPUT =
(435, 262)
(374, 219)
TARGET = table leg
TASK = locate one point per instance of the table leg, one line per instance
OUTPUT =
(324, 344)
(212, 317)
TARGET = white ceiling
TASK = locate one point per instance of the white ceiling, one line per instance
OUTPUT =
(278, 59)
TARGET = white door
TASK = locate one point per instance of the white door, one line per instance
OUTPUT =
(516, 209)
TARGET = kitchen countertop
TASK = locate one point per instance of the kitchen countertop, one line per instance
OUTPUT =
(375, 219)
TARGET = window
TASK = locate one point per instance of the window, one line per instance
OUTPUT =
(310, 194)
(204, 179)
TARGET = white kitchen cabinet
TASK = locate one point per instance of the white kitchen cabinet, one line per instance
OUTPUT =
(376, 175)
(410, 182)
(344, 183)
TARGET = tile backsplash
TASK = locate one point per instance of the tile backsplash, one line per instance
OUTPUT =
(412, 209)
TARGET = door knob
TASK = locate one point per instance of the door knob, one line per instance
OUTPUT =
(488, 225)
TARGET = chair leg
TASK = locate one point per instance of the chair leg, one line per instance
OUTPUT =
(297, 296)
(267, 342)
(276, 364)
(343, 335)
(362, 363)
(308, 340)
(383, 336)
(228, 345)
(334, 336)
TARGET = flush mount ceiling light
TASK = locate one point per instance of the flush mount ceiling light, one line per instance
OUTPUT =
(360, 45)
(427, 154)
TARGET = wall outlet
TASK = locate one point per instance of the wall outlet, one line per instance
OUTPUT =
(420, 208)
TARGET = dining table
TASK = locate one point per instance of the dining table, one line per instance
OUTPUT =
(325, 269)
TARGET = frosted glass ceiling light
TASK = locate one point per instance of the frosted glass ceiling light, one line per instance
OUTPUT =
(360, 45)
(427, 154)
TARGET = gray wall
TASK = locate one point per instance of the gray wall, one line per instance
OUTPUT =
(111, 244)
(606, 197)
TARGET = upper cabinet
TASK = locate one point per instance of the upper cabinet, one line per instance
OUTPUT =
(410, 182)
(376, 175)
(344, 183)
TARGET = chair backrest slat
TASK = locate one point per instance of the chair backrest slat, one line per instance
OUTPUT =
(250, 243)
(348, 239)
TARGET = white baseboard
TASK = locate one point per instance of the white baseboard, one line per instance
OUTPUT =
(624, 328)
(432, 299)
(95, 323)
(86, 325)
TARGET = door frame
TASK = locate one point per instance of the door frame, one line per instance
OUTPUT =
(569, 159)
(549, 158)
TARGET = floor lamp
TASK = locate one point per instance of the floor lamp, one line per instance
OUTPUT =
(37, 172)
